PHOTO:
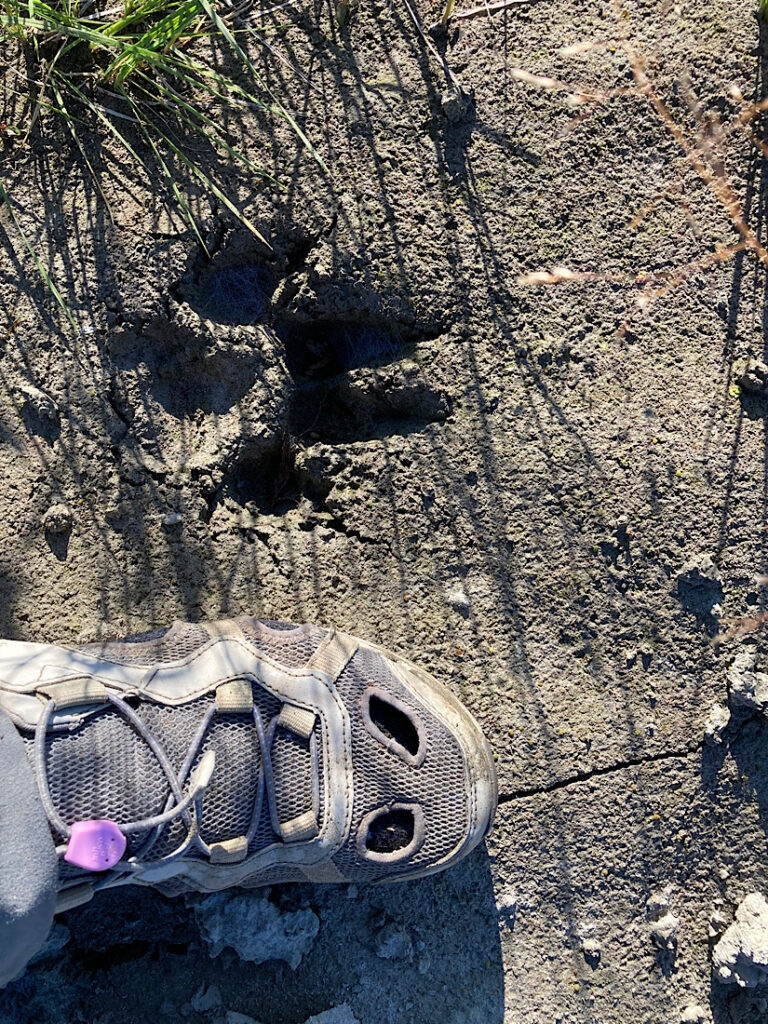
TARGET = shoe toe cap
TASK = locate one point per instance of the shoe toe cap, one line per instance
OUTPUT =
(480, 770)
(452, 780)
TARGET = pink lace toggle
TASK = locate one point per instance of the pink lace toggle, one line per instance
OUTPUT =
(95, 845)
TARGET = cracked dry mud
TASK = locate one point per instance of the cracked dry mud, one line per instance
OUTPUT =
(374, 425)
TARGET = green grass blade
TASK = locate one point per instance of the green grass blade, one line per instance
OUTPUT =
(140, 120)
(209, 184)
(69, 121)
(47, 279)
(196, 119)
(143, 122)
(157, 39)
(223, 28)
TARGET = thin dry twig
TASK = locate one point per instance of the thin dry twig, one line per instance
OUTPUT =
(564, 275)
(576, 97)
(721, 188)
(653, 283)
(258, 12)
(673, 278)
(743, 626)
(452, 79)
(703, 154)
(502, 5)
(586, 46)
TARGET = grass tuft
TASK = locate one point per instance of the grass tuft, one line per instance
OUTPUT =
(137, 69)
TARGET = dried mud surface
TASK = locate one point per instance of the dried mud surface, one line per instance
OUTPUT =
(375, 425)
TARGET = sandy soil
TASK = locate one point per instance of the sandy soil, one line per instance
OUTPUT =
(375, 425)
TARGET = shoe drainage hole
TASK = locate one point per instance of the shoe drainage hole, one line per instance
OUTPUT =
(233, 295)
(394, 724)
(390, 831)
(325, 348)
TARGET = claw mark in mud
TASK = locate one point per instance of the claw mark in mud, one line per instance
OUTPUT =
(266, 479)
(339, 526)
(115, 403)
(368, 407)
(236, 281)
(325, 348)
(232, 294)
(305, 245)
(354, 381)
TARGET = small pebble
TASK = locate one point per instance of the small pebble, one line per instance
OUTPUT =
(506, 908)
(455, 104)
(592, 952)
(41, 404)
(393, 943)
(693, 1014)
(206, 998)
(718, 922)
(341, 1014)
(755, 378)
(716, 724)
(458, 599)
(663, 925)
(58, 519)
(741, 955)
(664, 931)
(656, 906)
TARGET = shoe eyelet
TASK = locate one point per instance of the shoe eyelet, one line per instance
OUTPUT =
(394, 725)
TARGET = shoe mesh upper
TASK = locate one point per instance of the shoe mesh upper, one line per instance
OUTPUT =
(382, 777)
(292, 764)
(292, 646)
(104, 769)
(87, 770)
(156, 648)
(230, 797)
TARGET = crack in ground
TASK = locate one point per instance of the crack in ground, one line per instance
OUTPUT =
(264, 540)
(114, 402)
(634, 762)
(339, 526)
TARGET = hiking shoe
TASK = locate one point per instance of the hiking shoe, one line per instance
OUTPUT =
(245, 753)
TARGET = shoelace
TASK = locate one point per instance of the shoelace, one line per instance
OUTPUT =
(188, 807)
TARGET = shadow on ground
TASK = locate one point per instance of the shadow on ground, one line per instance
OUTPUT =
(419, 952)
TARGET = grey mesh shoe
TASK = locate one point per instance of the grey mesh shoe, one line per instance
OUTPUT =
(245, 753)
